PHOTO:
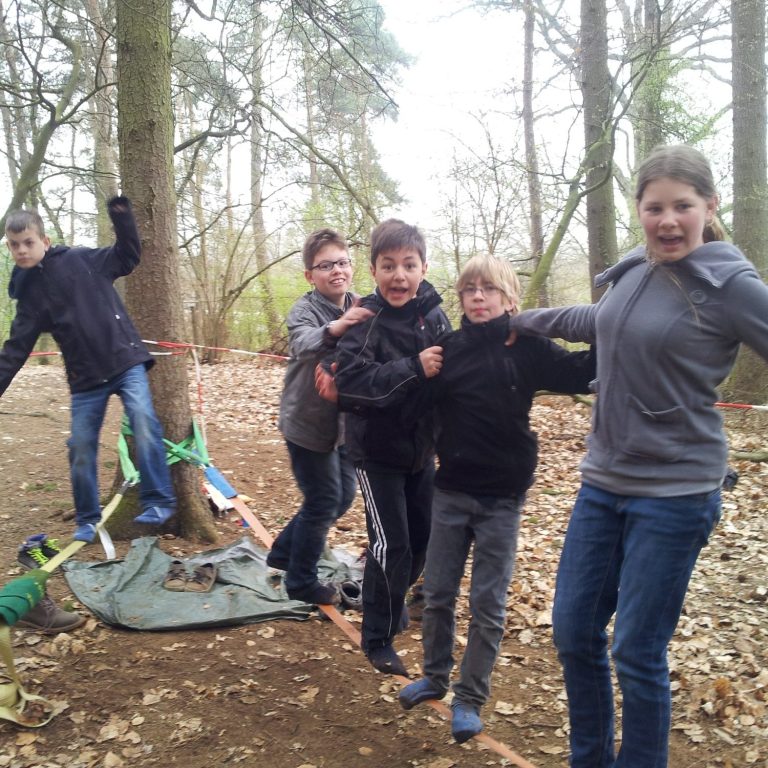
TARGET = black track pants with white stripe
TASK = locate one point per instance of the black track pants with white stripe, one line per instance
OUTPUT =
(397, 512)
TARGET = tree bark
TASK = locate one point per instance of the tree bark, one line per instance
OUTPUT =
(749, 381)
(145, 134)
(598, 113)
(532, 163)
(102, 121)
(257, 184)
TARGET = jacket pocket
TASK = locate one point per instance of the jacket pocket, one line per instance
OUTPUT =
(661, 435)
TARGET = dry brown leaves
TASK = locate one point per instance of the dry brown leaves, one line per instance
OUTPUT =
(719, 655)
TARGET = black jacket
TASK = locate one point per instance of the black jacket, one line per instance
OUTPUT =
(70, 295)
(381, 382)
(483, 397)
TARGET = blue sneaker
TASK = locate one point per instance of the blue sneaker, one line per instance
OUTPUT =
(85, 532)
(155, 515)
(465, 721)
(422, 690)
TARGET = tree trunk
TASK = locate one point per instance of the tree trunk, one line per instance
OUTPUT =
(101, 120)
(532, 163)
(257, 171)
(647, 125)
(749, 381)
(598, 113)
(145, 134)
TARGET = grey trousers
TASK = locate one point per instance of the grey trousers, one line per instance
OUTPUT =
(492, 524)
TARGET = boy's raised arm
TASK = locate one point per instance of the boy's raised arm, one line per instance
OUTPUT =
(123, 256)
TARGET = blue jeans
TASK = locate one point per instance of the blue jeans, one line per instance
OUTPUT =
(88, 409)
(457, 521)
(327, 482)
(632, 556)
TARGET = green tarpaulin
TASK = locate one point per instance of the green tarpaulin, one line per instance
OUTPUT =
(129, 592)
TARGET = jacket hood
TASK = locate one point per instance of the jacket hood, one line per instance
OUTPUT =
(715, 262)
(20, 277)
(426, 299)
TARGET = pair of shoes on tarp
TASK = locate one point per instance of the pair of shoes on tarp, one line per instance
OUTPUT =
(465, 717)
(202, 578)
(150, 516)
(37, 550)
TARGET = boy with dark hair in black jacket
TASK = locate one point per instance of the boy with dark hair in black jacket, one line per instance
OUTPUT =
(383, 364)
(487, 454)
(69, 293)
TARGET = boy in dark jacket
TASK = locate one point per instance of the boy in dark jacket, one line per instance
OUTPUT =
(69, 293)
(383, 364)
(487, 455)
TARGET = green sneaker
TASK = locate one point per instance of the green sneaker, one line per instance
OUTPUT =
(50, 547)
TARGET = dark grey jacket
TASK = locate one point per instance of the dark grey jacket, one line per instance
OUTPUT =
(305, 418)
(667, 336)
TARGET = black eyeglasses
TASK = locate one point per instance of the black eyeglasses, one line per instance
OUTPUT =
(485, 290)
(327, 266)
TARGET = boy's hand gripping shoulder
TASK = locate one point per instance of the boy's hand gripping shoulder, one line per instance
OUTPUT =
(325, 383)
(431, 361)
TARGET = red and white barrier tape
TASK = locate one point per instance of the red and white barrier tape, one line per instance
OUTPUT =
(180, 345)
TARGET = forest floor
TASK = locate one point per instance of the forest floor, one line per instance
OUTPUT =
(299, 694)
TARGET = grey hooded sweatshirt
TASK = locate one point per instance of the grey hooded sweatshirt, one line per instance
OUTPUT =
(667, 335)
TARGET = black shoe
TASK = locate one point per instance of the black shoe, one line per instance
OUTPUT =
(351, 595)
(385, 660)
(317, 594)
(276, 562)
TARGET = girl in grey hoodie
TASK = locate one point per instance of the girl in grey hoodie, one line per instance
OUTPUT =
(667, 333)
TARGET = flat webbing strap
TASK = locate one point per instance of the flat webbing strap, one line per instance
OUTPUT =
(16, 704)
(191, 449)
